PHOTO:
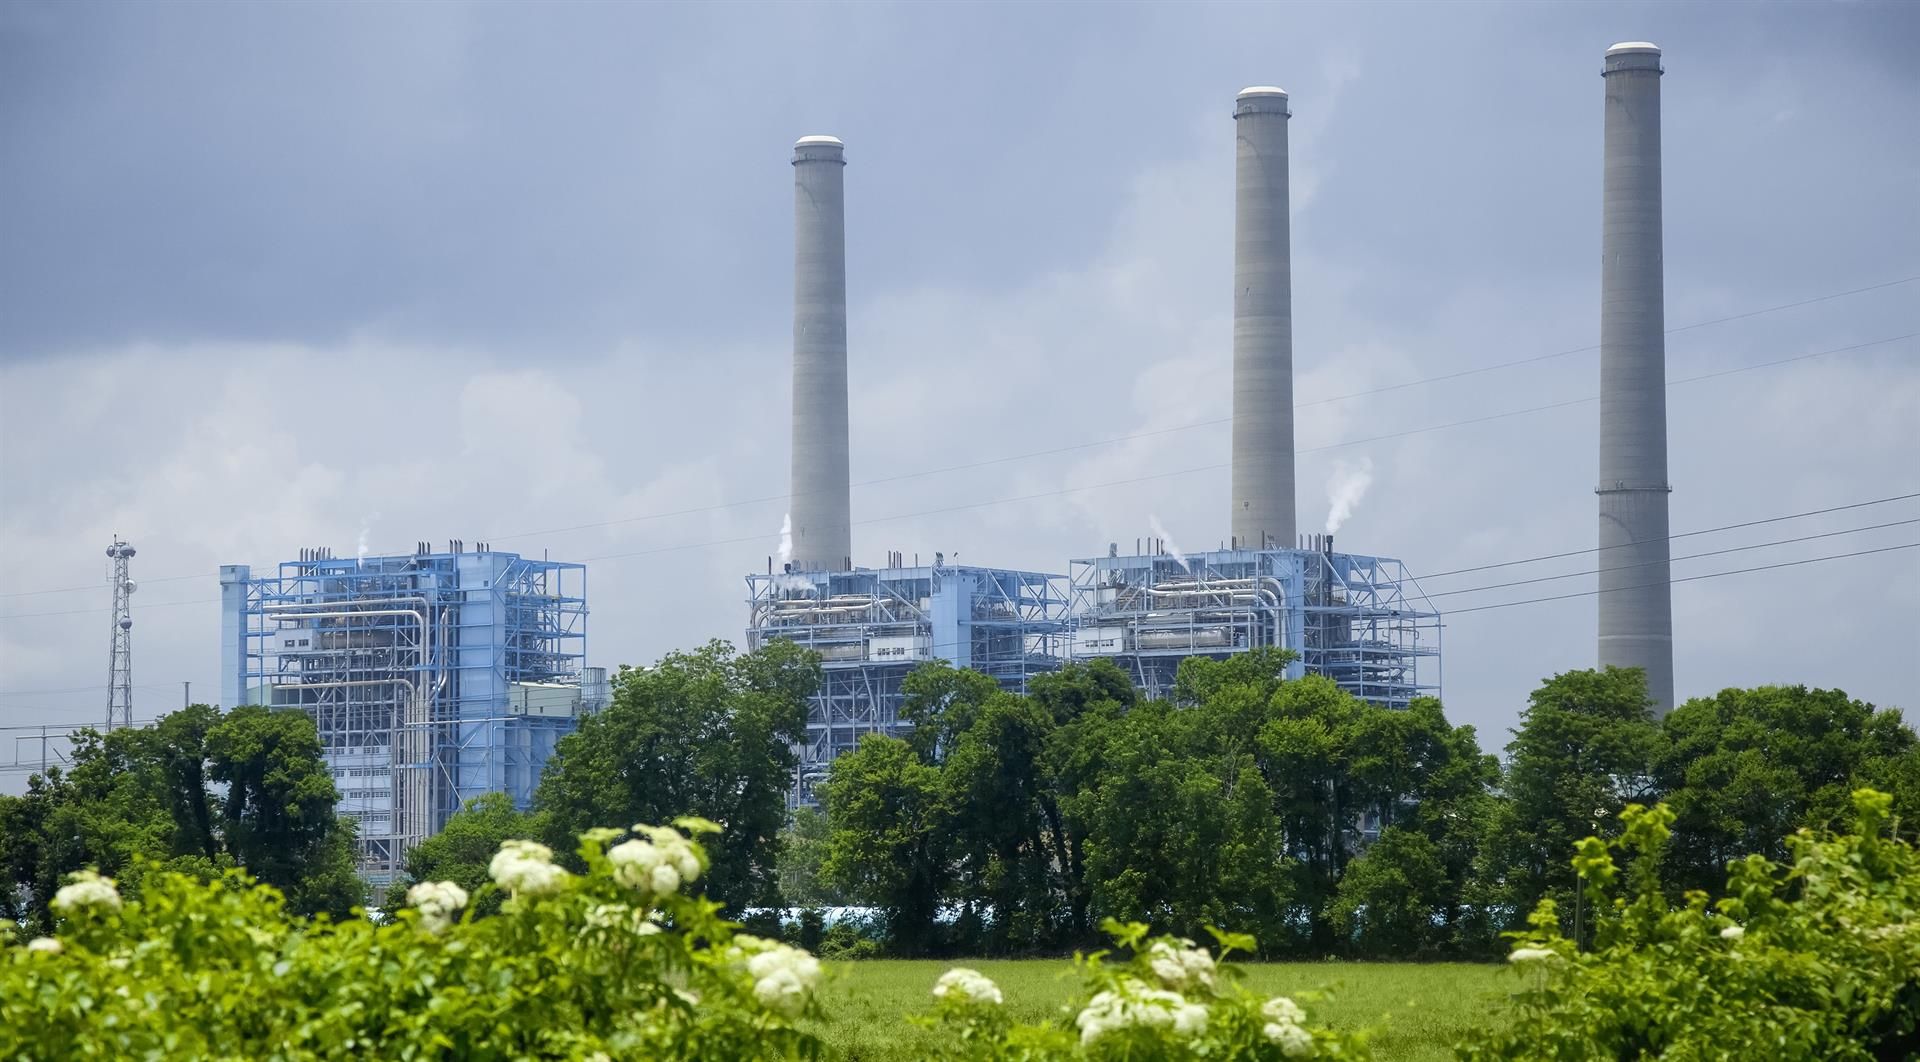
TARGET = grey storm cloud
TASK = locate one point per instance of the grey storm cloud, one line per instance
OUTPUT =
(286, 275)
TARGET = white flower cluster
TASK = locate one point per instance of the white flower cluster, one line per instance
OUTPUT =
(1733, 933)
(1134, 1004)
(970, 986)
(783, 976)
(1182, 968)
(1287, 1026)
(620, 916)
(87, 889)
(44, 944)
(658, 865)
(437, 901)
(525, 868)
(1532, 955)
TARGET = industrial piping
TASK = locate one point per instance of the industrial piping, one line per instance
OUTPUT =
(821, 505)
(1635, 600)
(1263, 502)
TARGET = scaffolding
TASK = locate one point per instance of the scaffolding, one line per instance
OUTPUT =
(432, 678)
(1360, 621)
(873, 626)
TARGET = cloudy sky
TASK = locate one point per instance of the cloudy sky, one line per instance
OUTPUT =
(283, 275)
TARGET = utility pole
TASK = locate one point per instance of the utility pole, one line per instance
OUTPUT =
(120, 664)
(186, 695)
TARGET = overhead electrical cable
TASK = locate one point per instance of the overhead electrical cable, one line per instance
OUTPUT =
(1682, 534)
(1134, 436)
(1211, 467)
(1690, 556)
(1464, 590)
(1449, 614)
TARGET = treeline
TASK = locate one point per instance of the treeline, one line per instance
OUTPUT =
(1014, 824)
(199, 792)
(1317, 822)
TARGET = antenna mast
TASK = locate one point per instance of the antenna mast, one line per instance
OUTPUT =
(120, 666)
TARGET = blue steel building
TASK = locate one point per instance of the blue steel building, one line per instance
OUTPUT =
(432, 677)
(1358, 620)
(873, 626)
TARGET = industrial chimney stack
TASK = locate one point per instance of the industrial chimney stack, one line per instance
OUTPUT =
(1636, 607)
(1262, 324)
(821, 511)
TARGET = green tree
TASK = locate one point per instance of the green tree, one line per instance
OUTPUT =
(941, 702)
(197, 792)
(277, 815)
(461, 851)
(1385, 901)
(707, 733)
(803, 854)
(1745, 768)
(996, 784)
(104, 810)
(1582, 753)
(892, 843)
(1181, 834)
(1086, 703)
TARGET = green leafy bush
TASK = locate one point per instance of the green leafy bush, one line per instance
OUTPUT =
(619, 962)
(1817, 958)
(1171, 1000)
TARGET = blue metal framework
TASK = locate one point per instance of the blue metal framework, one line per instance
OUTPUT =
(1361, 621)
(872, 626)
(432, 678)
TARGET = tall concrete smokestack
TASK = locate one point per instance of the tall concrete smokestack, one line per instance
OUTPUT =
(821, 505)
(1262, 324)
(1636, 603)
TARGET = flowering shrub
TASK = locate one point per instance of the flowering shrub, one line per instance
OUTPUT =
(614, 963)
(1815, 959)
(1172, 1000)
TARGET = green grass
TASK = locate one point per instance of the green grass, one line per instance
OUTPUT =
(1417, 1010)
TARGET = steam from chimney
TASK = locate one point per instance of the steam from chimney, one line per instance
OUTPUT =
(1346, 485)
(366, 528)
(1159, 532)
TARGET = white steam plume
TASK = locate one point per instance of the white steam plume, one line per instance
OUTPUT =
(366, 528)
(782, 579)
(1160, 533)
(1346, 485)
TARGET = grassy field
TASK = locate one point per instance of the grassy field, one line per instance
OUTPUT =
(1417, 1011)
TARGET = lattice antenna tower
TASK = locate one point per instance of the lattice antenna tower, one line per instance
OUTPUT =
(120, 666)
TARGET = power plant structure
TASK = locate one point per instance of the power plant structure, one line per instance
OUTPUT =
(1636, 593)
(870, 626)
(1358, 620)
(432, 677)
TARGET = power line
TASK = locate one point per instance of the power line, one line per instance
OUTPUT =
(1146, 434)
(1528, 601)
(86, 689)
(1684, 579)
(1690, 556)
(1216, 466)
(1059, 492)
(1683, 534)
(1582, 350)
